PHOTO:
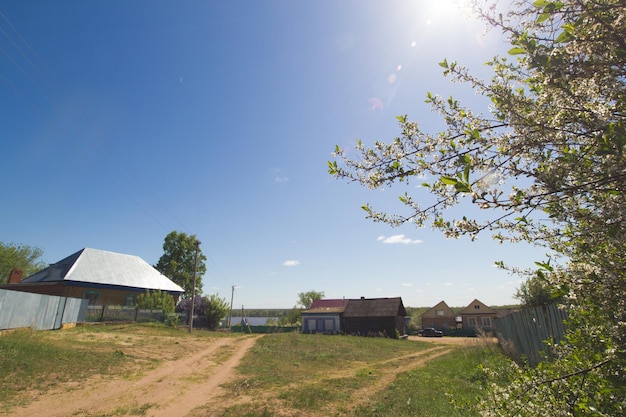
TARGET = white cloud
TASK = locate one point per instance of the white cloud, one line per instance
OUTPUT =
(398, 239)
(291, 263)
(278, 176)
(447, 284)
(407, 284)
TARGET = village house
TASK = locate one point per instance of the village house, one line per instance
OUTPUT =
(441, 317)
(364, 316)
(324, 316)
(102, 277)
(477, 315)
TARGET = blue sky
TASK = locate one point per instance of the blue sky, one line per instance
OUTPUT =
(125, 120)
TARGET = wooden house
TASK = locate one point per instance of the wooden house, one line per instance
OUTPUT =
(364, 316)
(477, 315)
(102, 277)
(374, 316)
(324, 316)
(440, 317)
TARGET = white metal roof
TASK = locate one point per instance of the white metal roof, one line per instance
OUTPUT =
(107, 268)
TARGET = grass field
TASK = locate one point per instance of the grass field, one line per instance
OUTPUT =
(282, 375)
(353, 376)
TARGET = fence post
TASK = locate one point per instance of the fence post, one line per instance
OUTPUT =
(102, 312)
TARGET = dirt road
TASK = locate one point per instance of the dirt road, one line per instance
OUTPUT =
(192, 381)
(173, 389)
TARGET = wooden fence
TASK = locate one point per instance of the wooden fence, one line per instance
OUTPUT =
(523, 334)
(120, 313)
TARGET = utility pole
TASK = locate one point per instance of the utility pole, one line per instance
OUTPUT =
(193, 289)
(230, 315)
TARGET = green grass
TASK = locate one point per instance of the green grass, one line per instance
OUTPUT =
(31, 360)
(37, 361)
(291, 358)
(283, 374)
(317, 375)
(432, 389)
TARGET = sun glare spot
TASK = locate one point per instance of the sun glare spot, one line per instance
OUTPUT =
(392, 78)
(440, 11)
(375, 103)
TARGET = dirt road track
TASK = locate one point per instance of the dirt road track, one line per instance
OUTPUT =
(179, 386)
(171, 390)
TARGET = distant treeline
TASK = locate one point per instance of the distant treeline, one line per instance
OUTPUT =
(280, 312)
(263, 312)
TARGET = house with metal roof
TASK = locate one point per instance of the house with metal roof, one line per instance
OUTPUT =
(364, 316)
(102, 277)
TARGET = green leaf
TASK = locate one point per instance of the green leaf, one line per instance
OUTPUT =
(462, 187)
(517, 51)
(545, 266)
(542, 17)
(449, 180)
(540, 4)
(564, 37)
(444, 63)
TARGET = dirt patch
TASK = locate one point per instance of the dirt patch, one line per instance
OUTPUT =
(174, 388)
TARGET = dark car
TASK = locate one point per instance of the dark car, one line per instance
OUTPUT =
(430, 332)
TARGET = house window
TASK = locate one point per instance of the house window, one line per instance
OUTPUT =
(439, 313)
(477, 307)
(486, 321)
(311, 324)
(130, 300)
(471, 322)
(92, 296)
(329, 325)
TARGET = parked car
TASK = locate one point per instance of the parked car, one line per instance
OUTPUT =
(430, 332)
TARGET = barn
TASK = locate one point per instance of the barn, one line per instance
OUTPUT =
(374, 316)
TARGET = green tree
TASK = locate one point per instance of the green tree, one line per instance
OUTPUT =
(216, 309)
(18, 256)
(159, 300)
(178, 261)
(546, 164)
(305, 299)
(156, 300)
(537, 291)
(292, 317)
(212, 308)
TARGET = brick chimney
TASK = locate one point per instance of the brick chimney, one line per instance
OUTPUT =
(16, 276)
